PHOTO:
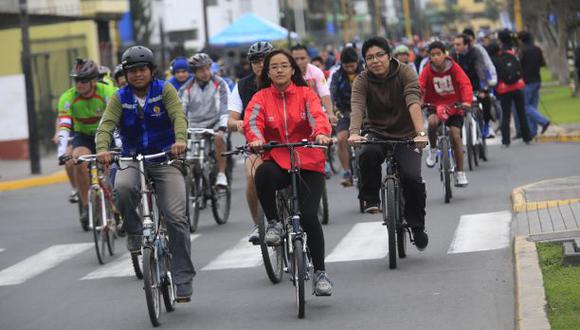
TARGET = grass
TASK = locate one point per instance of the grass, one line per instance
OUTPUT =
(562, 286)
(556, 102)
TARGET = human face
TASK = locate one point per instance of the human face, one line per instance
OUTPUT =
(377, 61)
(121, 81)
(203, 74)
(257, 66)
(85, 87)
(437, 57)
(350, 68)
(403, 57)
(319, 65)
(459, 45)
(139, 77)
(280, 71)
(302, 59)
(181, 75)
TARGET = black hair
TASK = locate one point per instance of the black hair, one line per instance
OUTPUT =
(469, 32)
(348, 55)
(436, 45)
(317, 58)
(299, 47)
(505, 36)
(525, 37)
(493, 49)
(296, 78)
(465, 38)
(378, 42)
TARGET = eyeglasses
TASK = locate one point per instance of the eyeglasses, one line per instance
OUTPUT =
(377, 56)
(82, 81)
(282, 67)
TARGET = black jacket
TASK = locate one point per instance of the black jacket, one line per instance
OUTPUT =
(532, 59)
(473, 65)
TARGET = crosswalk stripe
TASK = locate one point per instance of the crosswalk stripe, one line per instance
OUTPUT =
(481, 232)
(367, 240)
(40, 262)
(120, 267)
(243, 255)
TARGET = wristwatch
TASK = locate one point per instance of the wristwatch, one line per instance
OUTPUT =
(422, 133)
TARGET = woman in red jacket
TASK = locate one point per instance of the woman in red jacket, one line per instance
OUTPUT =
(286, 110)
(444, 83)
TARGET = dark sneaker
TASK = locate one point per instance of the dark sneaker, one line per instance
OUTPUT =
(545, 127)
(85, 218)
(346, 179)
(372, 207)
(322, 285)
(421, 239)
(273, 233)
(254, 236)
(134, 243)
(119, 221)
(183, 293)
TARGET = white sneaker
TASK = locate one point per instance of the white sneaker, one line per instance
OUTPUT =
(221, 180)
(431, 157)
(461, 180)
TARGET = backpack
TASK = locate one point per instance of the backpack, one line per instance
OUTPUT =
(509, 69)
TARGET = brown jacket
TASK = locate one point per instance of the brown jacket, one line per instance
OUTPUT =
(383, 103)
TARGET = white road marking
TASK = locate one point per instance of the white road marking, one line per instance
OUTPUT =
(41, 262)
(482, 232)
(243, 255)
(2, 250)
(121, 267)
(367, 240)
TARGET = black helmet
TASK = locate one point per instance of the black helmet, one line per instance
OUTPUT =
(137, 56)
(84, 69)
(199, 60)
(118, 71)
(259, 50)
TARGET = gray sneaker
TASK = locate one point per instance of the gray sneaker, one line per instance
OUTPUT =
(254, 236)
(134, 243)
(273, 233)
(322, 285)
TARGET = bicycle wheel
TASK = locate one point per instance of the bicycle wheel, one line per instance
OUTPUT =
(220, 204)
(273, 256)
(482, 146)
(469, 142)
(391, 214)
(402, 242)
(299, 275)
(137, 262)
(446, 169)
(167, 285)
(195, 195)
(323, 207)
(151, 285)
(96, 219)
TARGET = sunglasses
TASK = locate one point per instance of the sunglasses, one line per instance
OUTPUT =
(82, 81)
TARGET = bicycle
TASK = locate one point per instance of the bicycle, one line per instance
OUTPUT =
(201, 179)
(104, 218)
(473, 140)
(76, 198)
(355, 170)
(392, 202)
(157, 278)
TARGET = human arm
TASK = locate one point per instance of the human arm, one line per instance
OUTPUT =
(358, 103)
(64, 123)
(480, 69)
(254, 122)
(109, 122)
(224, 93)
(413, 95)
(465, 88)
(235, 105)
(316, 118)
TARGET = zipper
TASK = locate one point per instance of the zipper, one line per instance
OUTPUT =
(285, 118)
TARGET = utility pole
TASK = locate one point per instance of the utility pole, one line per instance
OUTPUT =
(206, 30)
(27, 70)
(407, 12)
(163, 44)
(518, 15)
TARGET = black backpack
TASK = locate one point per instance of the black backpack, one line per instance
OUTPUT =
(509, 69)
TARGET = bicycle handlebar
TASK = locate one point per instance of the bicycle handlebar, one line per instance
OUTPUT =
(201, 131)
(144, 157)
(272, 145)
(392, 142)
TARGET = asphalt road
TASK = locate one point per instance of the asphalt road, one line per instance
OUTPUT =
(464, 280)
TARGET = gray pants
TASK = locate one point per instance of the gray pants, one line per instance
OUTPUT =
(170, 188)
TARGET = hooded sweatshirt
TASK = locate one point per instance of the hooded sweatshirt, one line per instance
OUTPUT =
(383, 102)
(447, 86)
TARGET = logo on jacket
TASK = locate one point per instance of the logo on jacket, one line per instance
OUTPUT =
(156, 109)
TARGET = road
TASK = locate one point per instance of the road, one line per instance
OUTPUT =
(50, 277)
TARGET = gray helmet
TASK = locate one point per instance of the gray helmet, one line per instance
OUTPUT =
(118, 71)
(84, 69)
(199, 60)
(104, 71)
(137, 56)
(259, 50)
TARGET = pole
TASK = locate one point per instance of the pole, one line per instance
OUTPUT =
(31, 111)
(518, 15)
(163, 45)
(407, 12)
(206, 30)
(287, 22)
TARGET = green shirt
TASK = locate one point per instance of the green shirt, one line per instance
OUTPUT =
(82, 115)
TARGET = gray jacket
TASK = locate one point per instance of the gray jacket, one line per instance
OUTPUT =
(207, 106)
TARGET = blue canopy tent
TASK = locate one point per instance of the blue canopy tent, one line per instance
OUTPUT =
(249, 28)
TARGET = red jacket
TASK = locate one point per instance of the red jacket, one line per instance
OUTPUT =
(286, 117)
(447, 87)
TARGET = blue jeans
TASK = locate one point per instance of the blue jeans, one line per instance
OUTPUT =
(531, 100)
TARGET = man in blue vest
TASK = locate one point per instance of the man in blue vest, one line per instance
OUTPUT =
(150, 118)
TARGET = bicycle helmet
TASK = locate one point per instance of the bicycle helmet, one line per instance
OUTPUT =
(137, 56)
(118, 71)
(259, 50)
(104, 71)
(199, 60)
(401, 49)
(84, 69)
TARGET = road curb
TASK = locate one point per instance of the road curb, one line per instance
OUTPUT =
(57, 177)
(559, 137)
(519, 203)
(530, 295)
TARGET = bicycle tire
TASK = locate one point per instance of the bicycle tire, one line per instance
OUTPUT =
(220, 204)
(299, 276)
(273, 256)
(195, 195)
(168, 287)
(469, 142)
(137, 265)
(332, 159)
(96, 218)
(85, 227)
(390, 214)
(111, 229)
(323, 207)
(402, 242)
(482, 147)
(446, 170)
(151, 286)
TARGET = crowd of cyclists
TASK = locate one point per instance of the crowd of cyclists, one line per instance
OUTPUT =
(371, 91)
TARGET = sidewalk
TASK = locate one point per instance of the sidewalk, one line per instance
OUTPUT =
(560, 133)
(15, 174)
(543, 211)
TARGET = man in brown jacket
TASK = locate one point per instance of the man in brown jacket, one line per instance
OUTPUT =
(387, 98)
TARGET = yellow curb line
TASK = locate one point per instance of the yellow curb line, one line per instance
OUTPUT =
(519, 203)
(560, 137)
(57, 177)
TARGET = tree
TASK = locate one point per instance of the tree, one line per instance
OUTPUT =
(141, 17)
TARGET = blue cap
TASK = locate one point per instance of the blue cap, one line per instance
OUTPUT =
(179, 63)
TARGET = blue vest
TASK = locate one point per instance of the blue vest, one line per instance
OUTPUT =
(148, 130)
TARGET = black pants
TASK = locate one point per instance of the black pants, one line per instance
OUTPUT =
(486, 106)
(372, 157)
(271, 177)
(516, 97)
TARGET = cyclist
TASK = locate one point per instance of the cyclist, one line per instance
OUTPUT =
(180, 71)
(151, 119)
(105, 75)
(387, 96)
(119, 76)
(444, 83)
(79, 111)
(340, 90)
(69, 166)
(205, 100)
(287, 110)
(401, 53)
(237, 103)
